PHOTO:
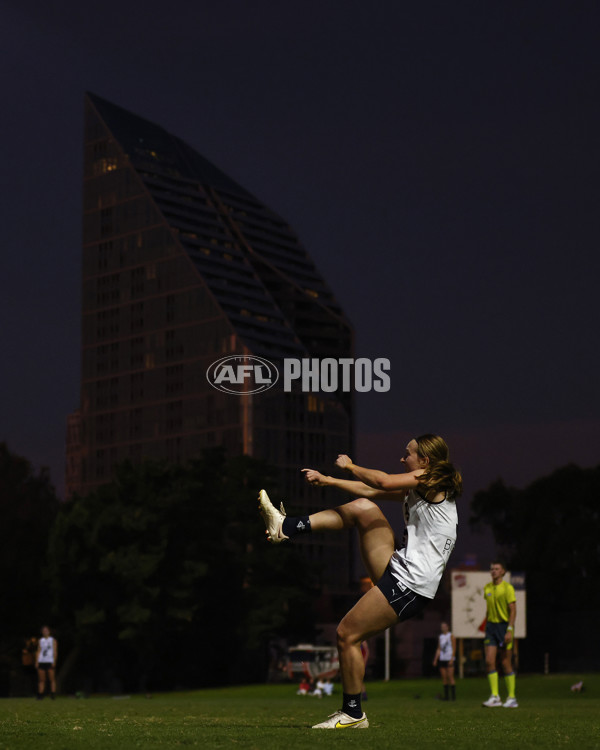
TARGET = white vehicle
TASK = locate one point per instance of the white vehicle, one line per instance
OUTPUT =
(316, 662)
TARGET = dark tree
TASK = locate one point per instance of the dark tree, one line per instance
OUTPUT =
(164, 577)
(28, 506)
(549, 530)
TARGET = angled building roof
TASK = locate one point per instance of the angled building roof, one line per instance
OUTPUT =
(250, 259)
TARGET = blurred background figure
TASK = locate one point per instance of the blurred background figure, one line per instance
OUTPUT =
(45, 663)
(501, 603)
(444, 658)
(319, 690)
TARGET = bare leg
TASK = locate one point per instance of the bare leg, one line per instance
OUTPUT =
(506, 655)
(41, 681)
(370, 615)
(376, 535)
(490, 658)
(451, 680)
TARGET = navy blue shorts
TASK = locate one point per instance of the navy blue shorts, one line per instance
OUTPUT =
(495, 632)
(405, 603)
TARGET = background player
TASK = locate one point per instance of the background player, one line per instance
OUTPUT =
(45, 663)
(499, 634)
(444, 657)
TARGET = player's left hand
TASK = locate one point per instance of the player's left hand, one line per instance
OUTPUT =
(314, 477)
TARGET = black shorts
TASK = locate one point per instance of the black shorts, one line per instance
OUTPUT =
(444, 664)
(495, 633)
(405, 603)
(45, 665)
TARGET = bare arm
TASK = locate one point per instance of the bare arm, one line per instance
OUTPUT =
(360, 489)
(37, 654)
(55, 652)
(512, 616)
(453, 639)
(436, 657)
(379, 480)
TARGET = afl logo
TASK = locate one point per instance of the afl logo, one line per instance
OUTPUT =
(240, 374)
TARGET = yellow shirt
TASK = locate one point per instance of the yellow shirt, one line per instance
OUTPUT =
(497, 599)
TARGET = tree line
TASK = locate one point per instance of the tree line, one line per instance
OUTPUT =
(550, 530)
(159, 579)
(162, 577)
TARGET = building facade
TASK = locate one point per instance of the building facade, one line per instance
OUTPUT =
(182, 266)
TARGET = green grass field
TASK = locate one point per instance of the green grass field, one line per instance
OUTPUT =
(403, 714)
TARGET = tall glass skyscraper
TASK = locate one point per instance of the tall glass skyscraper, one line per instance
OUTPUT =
(181, 267)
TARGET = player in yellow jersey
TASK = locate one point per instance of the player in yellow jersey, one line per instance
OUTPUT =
(499, 634)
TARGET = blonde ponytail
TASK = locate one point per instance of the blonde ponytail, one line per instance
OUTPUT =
(439, 475)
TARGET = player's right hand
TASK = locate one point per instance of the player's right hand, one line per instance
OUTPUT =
(343, 461)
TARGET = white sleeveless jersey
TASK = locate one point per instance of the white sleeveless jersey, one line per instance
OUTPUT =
(446, 653)
(47, 650)
(429, 539)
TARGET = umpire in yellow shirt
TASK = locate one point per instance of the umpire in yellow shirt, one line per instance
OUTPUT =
(499, 634)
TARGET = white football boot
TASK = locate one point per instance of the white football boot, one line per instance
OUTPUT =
(341, 720)
(272, 517)
(510, 703)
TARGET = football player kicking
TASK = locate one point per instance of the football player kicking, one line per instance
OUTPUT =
(405, 579)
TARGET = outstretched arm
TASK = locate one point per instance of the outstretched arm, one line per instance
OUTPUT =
(379, 479)
(360, 489)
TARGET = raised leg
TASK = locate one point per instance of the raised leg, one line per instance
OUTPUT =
(375, 533)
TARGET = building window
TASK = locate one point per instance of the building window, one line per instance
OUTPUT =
(102, 166)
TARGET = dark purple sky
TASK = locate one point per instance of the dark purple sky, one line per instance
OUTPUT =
(439, 160)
